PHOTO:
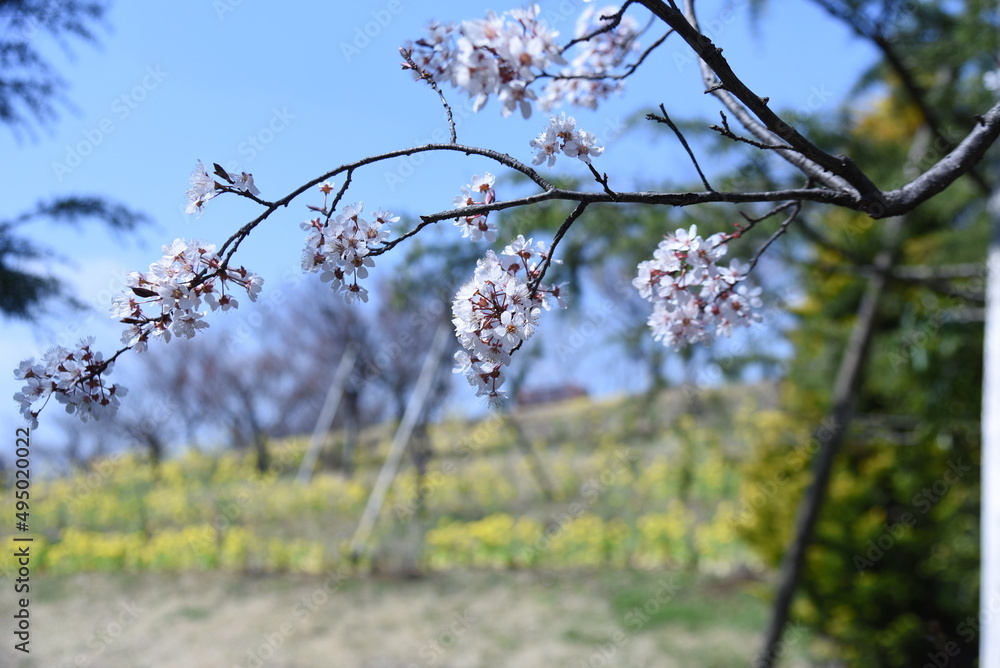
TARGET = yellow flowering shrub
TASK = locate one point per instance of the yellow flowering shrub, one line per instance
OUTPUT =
(79, 550)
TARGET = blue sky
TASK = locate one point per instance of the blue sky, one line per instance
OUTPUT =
(288, 91)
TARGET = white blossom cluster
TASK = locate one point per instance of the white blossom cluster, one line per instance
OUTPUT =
(480, 191)
(503, 54)
(204, 187)
(165, 301)
(496, 312)
(694, 299)
(587, 78)
(498, 55)
(73, 377)
(339, 246)
(561, 136)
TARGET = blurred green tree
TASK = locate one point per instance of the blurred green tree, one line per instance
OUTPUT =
(31, 94)
(892, 569)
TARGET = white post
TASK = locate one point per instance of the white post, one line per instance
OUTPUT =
(989, 583)
(326, 415)
(414, 408)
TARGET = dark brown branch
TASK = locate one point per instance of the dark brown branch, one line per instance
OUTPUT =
(712, 55)
(892, 203)
(341, 192)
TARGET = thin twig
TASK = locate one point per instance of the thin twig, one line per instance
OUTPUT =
(753, 221)
(572, 218)
(726, 132)
(341, 192)
(666, 119)
(628, 71)
(603, 180)
(781, 230)
(615, 19)
(426, 76)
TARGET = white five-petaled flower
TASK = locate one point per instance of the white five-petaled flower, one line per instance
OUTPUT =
(244, 183)
(505, 54)
(478, 191)
(585, 81)
(203, 188)
(561, 136)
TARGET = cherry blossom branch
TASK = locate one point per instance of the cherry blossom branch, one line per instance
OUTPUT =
(890, 203)
(694, 298)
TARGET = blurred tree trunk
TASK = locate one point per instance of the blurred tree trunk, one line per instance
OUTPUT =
(351, 407)
(830, 435)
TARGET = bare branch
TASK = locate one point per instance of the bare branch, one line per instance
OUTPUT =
(613, 22)
(628, 71)
(572, 218)
(914, 90)
(725, 131)
(666, 119)
(760, 130)
(944, 272)
(426, 76)
(603, 180)
(796, 208)
(942, 174)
